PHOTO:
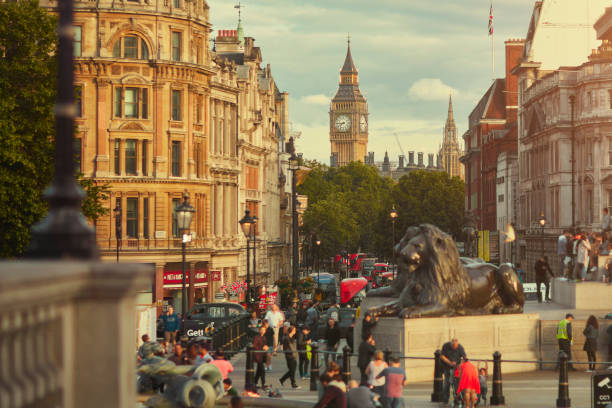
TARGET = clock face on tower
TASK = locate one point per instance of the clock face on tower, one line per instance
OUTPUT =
(343, 123)
(363, 124)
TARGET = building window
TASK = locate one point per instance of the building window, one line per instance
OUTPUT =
(198, 108)
(130, 157)
(117, 157)
(589, 153)
(175, 231)
(77, 153)
(500, 198)
(145, 217)
(176, 104)
(78, 100)
(131, 103)
(131, 46)
(176, 45)
(78, 43)
(589, 207)
(132, 218)
(144, 158)
(176, 159)
(176, 3)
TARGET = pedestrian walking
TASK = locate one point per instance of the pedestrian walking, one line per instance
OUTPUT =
(303, 343)
(312, 319)
(469, 383)
(260, 347)
(564, 337)
(275, 318)
(332, 335)
(222, 364)
(452, 352)
(332, 370)
(302, 313)
(291, 314)
(483, 374)
(270, 343)
(374, 368)
(334, 311)
(562, 251)
(290, 349)
(171, 326)
(591, 332)
(366, 352)
(542, 270)
(367, 326)
(334, 395)
(395, 379)
(583, 247)
(360, 396)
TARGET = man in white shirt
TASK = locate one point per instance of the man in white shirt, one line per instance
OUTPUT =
(276, 318)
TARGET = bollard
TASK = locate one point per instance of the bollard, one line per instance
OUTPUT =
(250, 372)
(438, 382)
(314, 366)
(387, 354)
(497, 397)
(563, 399)
(346, 363)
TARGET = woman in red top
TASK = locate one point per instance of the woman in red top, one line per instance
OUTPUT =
(469, 382)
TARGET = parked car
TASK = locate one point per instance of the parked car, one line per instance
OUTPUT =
(346, 316)
(203, 317)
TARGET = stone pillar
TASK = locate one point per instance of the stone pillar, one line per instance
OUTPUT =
(191, 289)
(102, 167)
(226, 210)
(218, 210)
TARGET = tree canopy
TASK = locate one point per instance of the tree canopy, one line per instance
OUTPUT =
(27, 126)
(349, 207)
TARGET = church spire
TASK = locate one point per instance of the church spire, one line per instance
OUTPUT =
(348, 67)
(450, 109)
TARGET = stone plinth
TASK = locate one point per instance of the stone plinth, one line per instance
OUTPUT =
(515, 336)
(582, 295)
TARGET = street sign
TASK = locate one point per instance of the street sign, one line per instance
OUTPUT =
(601, 390)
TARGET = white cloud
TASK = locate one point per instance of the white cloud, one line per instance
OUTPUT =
(431, 89)
(318, 99)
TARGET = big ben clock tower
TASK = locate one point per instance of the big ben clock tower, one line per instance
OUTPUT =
(348, 117)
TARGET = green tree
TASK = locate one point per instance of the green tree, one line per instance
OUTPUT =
(430, 197)
(27, 94)
(27, 127)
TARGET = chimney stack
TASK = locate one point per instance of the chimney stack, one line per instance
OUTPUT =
(430, 160)
(411, 158)
(420, 156)
(401, 161)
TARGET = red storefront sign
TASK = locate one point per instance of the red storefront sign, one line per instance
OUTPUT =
(176, 277)
(216, 276)
(266, 300)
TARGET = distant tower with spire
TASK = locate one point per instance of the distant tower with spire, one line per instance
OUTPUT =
(348, 117)
(450, 151)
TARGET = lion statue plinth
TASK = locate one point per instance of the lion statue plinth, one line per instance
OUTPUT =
(433, 282)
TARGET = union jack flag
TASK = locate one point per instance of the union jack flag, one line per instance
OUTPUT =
(491, 19)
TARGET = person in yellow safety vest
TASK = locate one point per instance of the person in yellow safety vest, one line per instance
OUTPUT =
(564, 337)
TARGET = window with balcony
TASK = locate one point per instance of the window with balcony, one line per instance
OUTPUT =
(144, 158)
(175, 230)
(176, 104)
(78, 43)
(130, 157)
(145, 217)
(131, 46)
(131, 220)
(132, 103)
(176, 159)
(117, 154)
(176, 45)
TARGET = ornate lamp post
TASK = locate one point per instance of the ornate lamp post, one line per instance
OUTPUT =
(542, 222)
(184, 215)
(294, 166)
(118, 217)
(318, 242)
(393, 214)
(247, 223)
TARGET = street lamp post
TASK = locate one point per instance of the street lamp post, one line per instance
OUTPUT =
(542, 224)
(393, 214)
(318, 261)
(247, 224)
(294, 166)
(117, 212)
(184, 215)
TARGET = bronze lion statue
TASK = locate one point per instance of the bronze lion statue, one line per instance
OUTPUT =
(432, 281)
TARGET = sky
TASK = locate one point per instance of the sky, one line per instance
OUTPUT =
(410, 55)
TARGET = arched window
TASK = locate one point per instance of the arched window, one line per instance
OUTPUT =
(131, 46)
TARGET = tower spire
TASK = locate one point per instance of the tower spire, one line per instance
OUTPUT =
(450, 108)
(239, 29)
(349, 66)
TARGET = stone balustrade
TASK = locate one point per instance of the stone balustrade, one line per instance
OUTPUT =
(67, 333)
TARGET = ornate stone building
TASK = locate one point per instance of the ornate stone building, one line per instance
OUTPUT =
(160, 114)
(348, 117)
(450, 151)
